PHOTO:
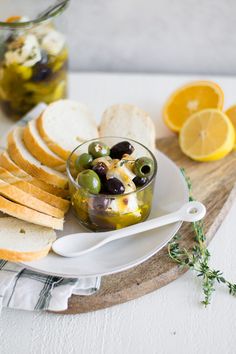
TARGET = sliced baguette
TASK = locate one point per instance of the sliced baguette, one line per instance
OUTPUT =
(21, 241)
(64, 125)
(39, 149)
(23, 158)
(7, 163)
(128, 121)
(36, 192)
(22, 212)
(17, 195)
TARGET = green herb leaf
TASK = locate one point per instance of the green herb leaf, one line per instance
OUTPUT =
(197, 258)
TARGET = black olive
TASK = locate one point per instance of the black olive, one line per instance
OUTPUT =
(11, 37)
(114, 186)
(101, 169)
(41, 72)
(100, 203)
(118, 150)
(140, 181)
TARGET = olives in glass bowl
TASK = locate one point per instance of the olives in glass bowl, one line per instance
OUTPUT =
(114, 182)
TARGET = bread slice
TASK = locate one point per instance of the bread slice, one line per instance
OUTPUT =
(128, 121)
(17, 195)
(64, 125)
(23, 158)
(21, 241)
(39, 149)
(35, 217)
(8, 164)
(36, 192)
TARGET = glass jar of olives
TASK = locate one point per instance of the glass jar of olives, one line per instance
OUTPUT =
(114, 182)
(33, 55)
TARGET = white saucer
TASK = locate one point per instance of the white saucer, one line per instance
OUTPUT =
(170, 193)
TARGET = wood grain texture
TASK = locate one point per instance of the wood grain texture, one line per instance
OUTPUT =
(214, 185)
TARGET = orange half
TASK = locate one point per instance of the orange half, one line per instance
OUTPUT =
(189, 99)
(231, 113)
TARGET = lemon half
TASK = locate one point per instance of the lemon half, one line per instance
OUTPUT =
(208, 135)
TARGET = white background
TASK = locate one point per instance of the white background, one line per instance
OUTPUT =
(145, 35)
(170, 320)
(153, 35)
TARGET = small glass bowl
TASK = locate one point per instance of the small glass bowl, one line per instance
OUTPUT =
(103, 212)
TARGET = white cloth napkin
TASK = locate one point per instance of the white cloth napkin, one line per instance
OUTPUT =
(24, 289)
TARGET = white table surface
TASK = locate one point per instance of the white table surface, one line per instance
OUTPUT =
(170, 320)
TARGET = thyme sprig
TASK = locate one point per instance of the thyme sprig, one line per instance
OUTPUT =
(198, 257)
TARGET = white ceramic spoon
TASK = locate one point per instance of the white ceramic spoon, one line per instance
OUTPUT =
(75, 245)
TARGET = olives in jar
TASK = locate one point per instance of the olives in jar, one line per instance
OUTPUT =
(143, 167)
(41, 72)
(101, 203)
(101, 169)
(108, 195)
(118, 150)
(83, 161)
(140, 181)
(98, 149)
(114, 186)
(89, 180)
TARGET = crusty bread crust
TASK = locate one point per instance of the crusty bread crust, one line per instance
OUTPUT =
(48, 159)
(56, 148)
(34, 191)
(14, 256)
(22, 241)
(46, 197)
(17, 195)
(59, 192)
(38, 172)
(29, 215)
(9, 165)
(75, 116)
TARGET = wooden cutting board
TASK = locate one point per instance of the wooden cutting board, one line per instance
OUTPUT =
(214, 185)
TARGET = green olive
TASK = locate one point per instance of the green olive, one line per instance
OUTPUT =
(98, 149)
(89, 180)
(143, 167)
(83, 161)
